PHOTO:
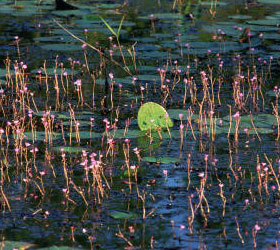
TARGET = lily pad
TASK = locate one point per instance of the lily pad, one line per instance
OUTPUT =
(269, 1)
(210, 3)
(61, 47)
(150, 159)
(120, 215)
(268, 22)
(162, 160)
(72, 150)
(174, 114)
(240, 17)
(85, 135)
(153, 116)
(59, 248)
(51, 71)
(41, 135)
(121, 133)
(10, 245)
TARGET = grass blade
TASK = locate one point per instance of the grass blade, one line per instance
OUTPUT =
(109, 27)
(120, 26)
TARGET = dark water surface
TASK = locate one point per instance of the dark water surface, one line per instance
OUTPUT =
(203, 190)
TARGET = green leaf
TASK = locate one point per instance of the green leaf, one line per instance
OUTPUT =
(120, 26)
(41, 135)
(59, 248)
(85, 135)
(153, 116)
(109, 27)
(161, 160)
(9, 245)
(150, 159)
(72, 150)
(122, 215)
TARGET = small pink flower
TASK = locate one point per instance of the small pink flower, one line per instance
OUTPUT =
(201, 174)
(182, 227)
(78, 82)
(236, 115)
(257, 227)
(111, 75)
(206, 157)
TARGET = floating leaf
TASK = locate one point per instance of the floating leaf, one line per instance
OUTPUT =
(162, 160)
(210, 3)
(130, 133)
(10, 245)
(61, 47)
(153, 116)
(118, 215)
(72, 150)
(150, 159)
(240, 17)
(52, 71)
(174, 114)
(59, 248)
(268, 22)
(41, 135)
(85, 135)
(269, 1)
(168, 160)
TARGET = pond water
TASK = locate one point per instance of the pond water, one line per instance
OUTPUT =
(77, 172)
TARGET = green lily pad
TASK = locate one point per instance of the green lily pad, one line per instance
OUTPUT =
(240, 17)
(150, 159)
(162, 160)
(269, 1)
(174, 114)
(10, 245)
(41, 135)
(268, 22)
(85, 135)
(42, 113)
(72, 150)
(51, 71)
(59, 248)
(210, 3)
(61, 47)
(153, 116)
(3, 72)
(120, 215)
(121, 134)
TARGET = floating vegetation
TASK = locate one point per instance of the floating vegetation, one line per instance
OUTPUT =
(152, 116)
(126, 129)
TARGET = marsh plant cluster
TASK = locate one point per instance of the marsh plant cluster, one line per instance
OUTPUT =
(76, 170)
